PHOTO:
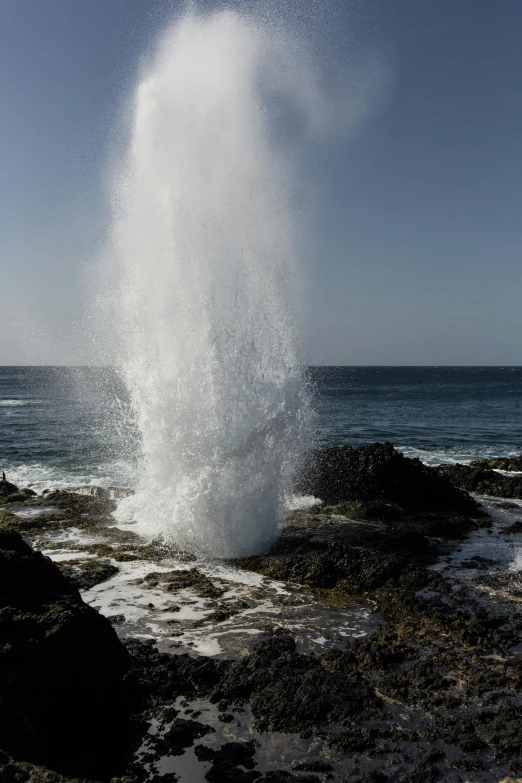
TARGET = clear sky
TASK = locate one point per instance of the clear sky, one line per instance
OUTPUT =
(416, 234)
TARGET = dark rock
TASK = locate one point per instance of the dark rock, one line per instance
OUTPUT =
(500, 463)
(84, 574)
(182, 734)
(353, 739)
(281, 776)
(373, 776)
(73, 502)
(289, 691)
(336, 564)
(313, 766)
(470, 764)
(12, 771)
(376, 653)
(172, 581)
(226, 717)
(423, 772)
(513, 529)
(380, 473)
(156, 677)
(227, 760)
(61, 670)
(22, 496)
(482, 480)
(7, 489)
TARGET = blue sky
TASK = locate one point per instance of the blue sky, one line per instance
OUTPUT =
(416, 236)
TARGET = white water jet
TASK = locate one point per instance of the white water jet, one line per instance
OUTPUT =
(203, 247)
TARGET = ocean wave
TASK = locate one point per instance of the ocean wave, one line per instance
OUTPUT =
(38, 476)
(453, 455)
(18, 403)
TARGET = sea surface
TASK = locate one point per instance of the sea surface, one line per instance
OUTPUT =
(62, 426)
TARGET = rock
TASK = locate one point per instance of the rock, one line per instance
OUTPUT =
(156, 677)
(281, 776)
(22, 496)
(172, 581)
(484, 481)
(182, 734)
(84, 574)
(348, 564)
(378, 472)
(375, 654)
(499, 463)
(12, 771)
(227, 760)
(7, 489)
(289, 691)
(61, 670)
(98, 503)
(28, 526)
(373, 776)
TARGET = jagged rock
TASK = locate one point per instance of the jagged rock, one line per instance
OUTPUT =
(61, 670)
(289, 691)
(499, 463)
(6, 488)
(378, 472)
(484, 481)
(84, 574)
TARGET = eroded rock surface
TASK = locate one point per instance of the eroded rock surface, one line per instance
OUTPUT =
(483, 480)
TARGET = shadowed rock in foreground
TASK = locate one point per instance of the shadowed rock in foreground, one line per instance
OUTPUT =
(61, 670)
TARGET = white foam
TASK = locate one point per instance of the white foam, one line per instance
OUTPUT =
(41, 476)
(296, 502)
(18, 403)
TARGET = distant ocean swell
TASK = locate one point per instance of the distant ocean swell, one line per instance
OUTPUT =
(58, 426)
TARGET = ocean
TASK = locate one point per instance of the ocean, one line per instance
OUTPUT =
(62, 426)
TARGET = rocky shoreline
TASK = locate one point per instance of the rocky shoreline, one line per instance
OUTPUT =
(431, 692)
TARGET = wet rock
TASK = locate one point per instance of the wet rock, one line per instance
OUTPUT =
(182, 734)
(125, 557)
(373, 776)
(14, 771)
(22, 496)
(172, 581)
(423, 772)
(313, 766)
(61, 670)
(477, 562)
(155, 677)
(281, 776)
(7, 489)
(499, 463)
(470, 764)
(354, 739)
(289, 691)
(84, 574)
(482, 480)
(376, 654)
(10, 523)
(335, 564)
(378, 472)
(513, 529)
(99, 503)
(227, 760)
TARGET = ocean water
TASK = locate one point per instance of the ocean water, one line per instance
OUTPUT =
(62, 426)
